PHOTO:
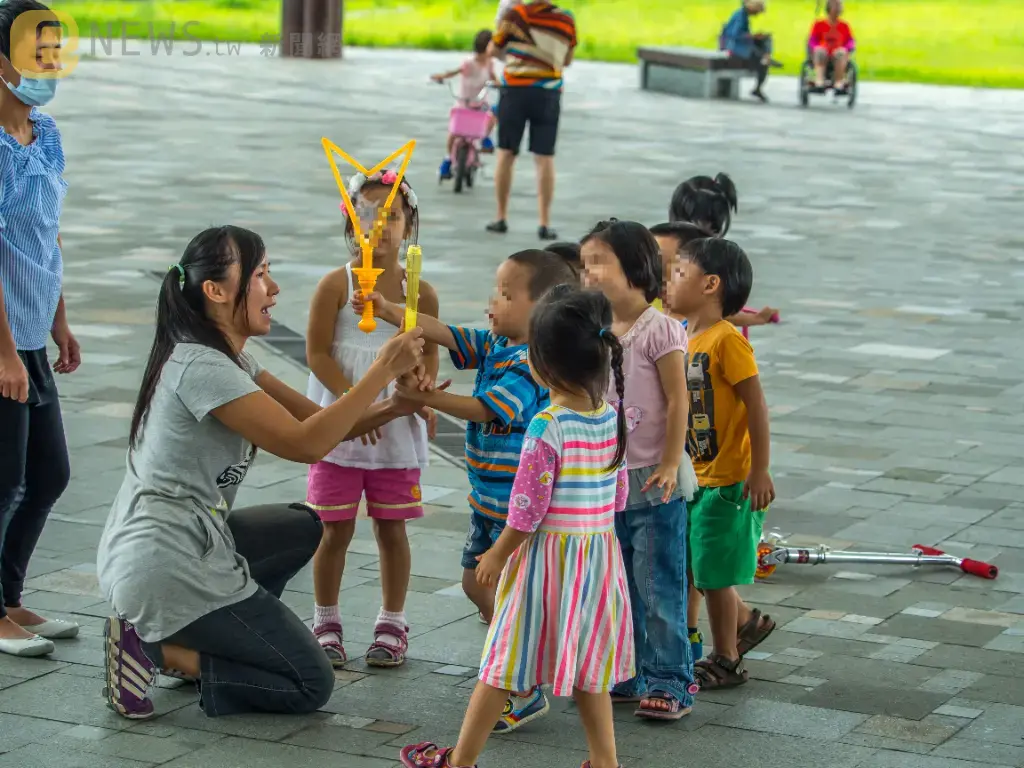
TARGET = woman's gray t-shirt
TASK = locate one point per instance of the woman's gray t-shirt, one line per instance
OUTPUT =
(167, 556)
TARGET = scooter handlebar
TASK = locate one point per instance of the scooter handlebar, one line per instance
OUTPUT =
(978, 568)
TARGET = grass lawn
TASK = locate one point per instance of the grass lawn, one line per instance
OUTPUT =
(963, 42)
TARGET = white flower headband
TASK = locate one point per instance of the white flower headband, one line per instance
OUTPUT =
(387, 178)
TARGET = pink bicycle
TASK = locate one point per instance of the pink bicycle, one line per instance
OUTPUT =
(468, 127)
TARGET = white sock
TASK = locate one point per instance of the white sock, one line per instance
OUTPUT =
(327, 614)
(390, 618)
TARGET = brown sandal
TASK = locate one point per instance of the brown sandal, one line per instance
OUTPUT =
(754, 632)
(718, 672)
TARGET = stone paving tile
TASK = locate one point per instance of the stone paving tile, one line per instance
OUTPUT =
(940, 630)
(973, 660)
(915, 729)
(999, 723)
(49, 755)
(238, 752)
(72, 699)
(898, 760)
(792, 720)
(896, 703)
(965, 748)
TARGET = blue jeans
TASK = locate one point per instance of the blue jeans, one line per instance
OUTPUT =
(653, 541)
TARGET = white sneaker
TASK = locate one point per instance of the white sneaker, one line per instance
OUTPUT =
(30, 646)
(54, 629)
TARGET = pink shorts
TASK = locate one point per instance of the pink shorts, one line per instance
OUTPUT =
(391, 494)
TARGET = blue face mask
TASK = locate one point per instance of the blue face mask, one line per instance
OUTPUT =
(35, 91)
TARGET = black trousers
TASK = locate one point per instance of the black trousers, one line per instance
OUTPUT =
(34, 472)
(256, 655)
(762, 48)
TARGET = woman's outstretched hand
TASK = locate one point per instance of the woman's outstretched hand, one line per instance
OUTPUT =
(387, 311)
(402, 353)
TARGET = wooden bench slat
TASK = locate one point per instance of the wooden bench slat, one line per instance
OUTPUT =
(697, 59)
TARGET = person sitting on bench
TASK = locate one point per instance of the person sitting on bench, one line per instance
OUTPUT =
(831, 41)
(737, 39)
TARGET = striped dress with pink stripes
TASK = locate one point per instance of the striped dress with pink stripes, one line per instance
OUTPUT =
(562, 614)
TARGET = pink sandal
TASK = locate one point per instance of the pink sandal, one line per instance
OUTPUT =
(385, 654)
(426, 755)
(333, 648)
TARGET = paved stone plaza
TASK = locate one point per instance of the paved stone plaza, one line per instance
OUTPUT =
(888, 236)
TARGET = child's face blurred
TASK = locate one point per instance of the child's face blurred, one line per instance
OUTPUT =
(369, 203)
(510, 306)
(669, 246)
(602, 270)
(689, 288)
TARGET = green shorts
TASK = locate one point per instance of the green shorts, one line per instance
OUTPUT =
(723, 535)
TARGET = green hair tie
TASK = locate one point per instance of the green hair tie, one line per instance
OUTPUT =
(181, 273)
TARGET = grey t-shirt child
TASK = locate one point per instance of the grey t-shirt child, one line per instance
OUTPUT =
(167, 556)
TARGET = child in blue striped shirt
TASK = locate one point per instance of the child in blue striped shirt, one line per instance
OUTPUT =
(505, 399)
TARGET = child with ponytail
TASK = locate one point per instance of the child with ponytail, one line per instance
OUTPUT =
(622, 259)
(563, 605)
(703, 207)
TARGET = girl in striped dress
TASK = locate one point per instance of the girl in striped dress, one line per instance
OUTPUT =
(562, 614)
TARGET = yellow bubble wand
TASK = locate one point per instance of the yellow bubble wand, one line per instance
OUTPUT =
(366, 274)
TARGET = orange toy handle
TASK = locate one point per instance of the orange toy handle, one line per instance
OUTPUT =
(368, 322)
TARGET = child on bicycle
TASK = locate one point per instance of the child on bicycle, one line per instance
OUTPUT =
(475, 72)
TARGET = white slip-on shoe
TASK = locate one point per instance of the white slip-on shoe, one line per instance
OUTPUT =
(54, 629)
(30, 646)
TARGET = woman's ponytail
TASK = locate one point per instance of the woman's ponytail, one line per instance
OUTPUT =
(615, 346)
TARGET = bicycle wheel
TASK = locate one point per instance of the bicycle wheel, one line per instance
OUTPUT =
(461, 166)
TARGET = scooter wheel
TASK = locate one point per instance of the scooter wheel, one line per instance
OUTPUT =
(764, 571)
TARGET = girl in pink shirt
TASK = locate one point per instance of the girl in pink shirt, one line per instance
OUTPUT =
(622, 259)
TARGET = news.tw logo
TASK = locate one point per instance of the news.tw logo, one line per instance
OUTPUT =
(44, 44)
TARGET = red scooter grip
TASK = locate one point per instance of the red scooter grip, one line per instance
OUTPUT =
(978, 568)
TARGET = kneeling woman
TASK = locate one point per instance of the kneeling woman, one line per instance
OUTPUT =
(196, 584)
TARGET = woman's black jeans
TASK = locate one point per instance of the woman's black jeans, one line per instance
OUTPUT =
(256, 655)
(34, 472)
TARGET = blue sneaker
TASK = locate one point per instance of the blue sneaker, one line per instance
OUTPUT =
(446, 168)
(487, 145)
(519, 711)
(697, 646)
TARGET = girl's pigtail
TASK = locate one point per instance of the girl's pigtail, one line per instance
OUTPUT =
(620, 389)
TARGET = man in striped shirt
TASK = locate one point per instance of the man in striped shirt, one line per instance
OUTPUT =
(536, 40)
(34, 469)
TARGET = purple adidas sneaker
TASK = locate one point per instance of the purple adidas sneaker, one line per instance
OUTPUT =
(129, 672)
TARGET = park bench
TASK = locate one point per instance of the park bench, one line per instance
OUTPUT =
(693, 72)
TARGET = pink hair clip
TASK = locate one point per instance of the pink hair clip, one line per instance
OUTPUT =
(389, 177)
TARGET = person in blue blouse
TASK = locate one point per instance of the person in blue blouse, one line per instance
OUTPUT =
(34, 469)
(756, 49)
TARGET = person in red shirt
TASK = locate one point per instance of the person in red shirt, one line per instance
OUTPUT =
(831, 40)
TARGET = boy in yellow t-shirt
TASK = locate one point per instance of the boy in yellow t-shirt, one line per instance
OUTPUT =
(729, 443)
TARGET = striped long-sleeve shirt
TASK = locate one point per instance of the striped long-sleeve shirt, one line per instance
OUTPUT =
(32, 192)
(505, 386)
(537, 37)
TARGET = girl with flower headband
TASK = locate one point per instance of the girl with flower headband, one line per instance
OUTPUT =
(385, 466)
